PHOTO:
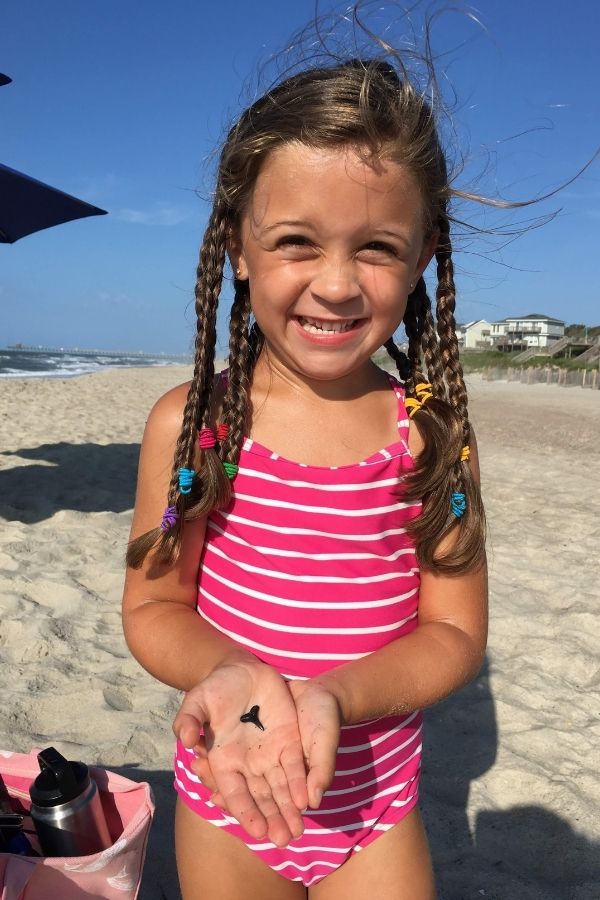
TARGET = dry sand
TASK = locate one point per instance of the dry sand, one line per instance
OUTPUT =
(510, 784)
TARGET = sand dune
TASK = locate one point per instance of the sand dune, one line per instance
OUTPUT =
(510, 786)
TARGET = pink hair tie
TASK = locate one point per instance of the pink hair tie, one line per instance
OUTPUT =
(222, 432)
(207, 439)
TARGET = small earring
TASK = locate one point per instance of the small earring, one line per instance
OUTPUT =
(411, 285)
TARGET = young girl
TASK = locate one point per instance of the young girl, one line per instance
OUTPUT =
(307, 553)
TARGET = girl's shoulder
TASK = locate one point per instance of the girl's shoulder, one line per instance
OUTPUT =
(167, 412)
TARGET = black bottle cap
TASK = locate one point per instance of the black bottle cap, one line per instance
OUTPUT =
(59, 780)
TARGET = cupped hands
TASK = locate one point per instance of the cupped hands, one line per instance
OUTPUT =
(264, 779)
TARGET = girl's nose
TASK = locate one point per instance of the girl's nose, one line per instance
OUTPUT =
(335, 283)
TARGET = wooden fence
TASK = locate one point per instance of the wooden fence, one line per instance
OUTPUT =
(544, 375)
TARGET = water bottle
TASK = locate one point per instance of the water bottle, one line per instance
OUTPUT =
(66, 808)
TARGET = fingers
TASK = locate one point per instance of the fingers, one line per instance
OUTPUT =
(277, 781)
(189, 721)
(321, 763)
(239, 802)
(188, 728)
(217, 800)
(272, 797)
(201, 767)
(261, 804)
(319, 724)
(200, 749)
(292, 762)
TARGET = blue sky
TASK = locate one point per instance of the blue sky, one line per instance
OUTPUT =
(121, 103)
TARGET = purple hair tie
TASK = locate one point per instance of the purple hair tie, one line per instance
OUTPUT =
(169, 519)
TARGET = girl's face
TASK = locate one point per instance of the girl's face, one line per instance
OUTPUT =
(330, 245)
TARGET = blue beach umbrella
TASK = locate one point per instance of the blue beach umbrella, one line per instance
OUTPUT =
(28, 205)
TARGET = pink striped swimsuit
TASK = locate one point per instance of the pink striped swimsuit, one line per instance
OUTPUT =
(310, 567)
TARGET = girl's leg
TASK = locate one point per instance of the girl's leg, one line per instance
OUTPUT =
(214, 865)
(395, 866)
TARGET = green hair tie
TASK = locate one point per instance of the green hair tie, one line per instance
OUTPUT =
(231, 470)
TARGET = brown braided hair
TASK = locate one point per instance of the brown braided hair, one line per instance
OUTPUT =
(371, 106)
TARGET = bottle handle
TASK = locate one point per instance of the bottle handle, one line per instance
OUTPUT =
(61, 768)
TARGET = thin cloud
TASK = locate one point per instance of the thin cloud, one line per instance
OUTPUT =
(98, 188)
(120, 299)
(161, 214)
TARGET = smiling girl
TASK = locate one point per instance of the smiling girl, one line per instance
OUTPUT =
(307, 555)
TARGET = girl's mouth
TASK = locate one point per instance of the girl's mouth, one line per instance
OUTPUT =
(326, 326)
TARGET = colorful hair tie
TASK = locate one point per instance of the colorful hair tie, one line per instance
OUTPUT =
(423, 391)
(465, 453)
(186, 477)
(222, 432)
(231, 470)
(206, 439)
(458, 504)
(414, 404)
(169, 518)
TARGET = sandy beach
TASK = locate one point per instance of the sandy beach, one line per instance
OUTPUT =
(510, 784)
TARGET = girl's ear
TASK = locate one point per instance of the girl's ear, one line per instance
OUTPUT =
(429, 248)
(237, 259)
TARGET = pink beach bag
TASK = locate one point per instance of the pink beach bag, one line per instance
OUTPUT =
(114, 874)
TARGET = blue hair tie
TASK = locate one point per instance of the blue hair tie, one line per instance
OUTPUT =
(186, 477)
(458, 504)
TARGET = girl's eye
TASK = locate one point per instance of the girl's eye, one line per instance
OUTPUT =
(379, 247)
(293, 240)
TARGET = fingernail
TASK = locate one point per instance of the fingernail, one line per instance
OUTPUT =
(318, 797)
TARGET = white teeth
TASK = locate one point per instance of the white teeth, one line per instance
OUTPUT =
(313, 326)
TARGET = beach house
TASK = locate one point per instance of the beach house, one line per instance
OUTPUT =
(474, 335)
(522, 332)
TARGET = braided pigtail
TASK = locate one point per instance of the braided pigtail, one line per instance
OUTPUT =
(441, 477)
(189, 496)
(399, 357)
(466, 503)
(413, 326)
(430, 347)
(244, 342)
(426, 401)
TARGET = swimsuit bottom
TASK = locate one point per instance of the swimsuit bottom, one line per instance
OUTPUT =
(375, 785)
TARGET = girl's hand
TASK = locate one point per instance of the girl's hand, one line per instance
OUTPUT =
(319, 721)
(259, 776)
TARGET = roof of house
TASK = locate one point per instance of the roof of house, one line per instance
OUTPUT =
(475, 322)
(529, 317)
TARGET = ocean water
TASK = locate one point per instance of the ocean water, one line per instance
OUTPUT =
(50, 363)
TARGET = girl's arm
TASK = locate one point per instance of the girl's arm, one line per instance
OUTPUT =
(162, 628)
(441, 655)
(260, 776)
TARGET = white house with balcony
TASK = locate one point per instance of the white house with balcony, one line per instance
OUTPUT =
(521, 332)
